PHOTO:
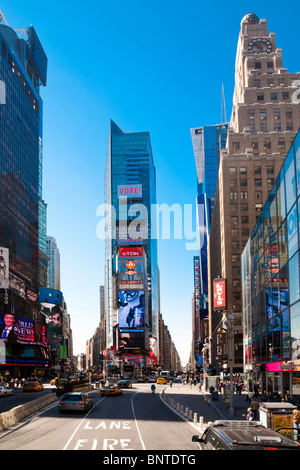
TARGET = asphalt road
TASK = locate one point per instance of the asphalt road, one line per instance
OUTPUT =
(133, 421)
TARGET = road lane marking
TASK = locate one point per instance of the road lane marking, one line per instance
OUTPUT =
(73, 434)
(135, 420)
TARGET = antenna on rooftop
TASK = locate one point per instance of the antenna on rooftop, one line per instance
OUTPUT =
(2, 18)
(223, 107)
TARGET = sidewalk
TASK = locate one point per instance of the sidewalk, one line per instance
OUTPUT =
(201, 403)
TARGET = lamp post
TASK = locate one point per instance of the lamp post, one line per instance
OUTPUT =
(228, 322)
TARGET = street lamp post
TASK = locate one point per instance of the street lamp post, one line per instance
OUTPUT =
(228, 322)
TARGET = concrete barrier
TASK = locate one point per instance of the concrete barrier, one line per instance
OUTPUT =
(13, 416)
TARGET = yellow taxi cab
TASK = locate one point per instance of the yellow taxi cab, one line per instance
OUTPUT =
(161, 380)
(32, 386)
(110, 390)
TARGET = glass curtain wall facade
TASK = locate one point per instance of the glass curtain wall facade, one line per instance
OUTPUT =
(129, 164)
(271, 283)
(23, 68)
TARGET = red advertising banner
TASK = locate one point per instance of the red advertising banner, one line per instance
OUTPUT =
(220, 301)
(128, 252)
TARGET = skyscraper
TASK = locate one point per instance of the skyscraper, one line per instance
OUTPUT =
(23, 69)
(53, 253)
(208, 141)
(264, 121)
(131, 272)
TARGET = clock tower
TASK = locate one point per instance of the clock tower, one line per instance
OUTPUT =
(264, 122)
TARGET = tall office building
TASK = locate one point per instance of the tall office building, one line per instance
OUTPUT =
(23, 69)
(264, 121)
(53, 253)
(131, 273)
(208, 141)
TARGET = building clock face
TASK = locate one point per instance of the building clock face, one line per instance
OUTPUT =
(258, 46)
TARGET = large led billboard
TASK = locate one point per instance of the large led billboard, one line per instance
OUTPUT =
(131, 339)
(131, 273)
(15, 329)
(131, 309)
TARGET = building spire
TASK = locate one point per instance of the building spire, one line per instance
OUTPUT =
(223, 107)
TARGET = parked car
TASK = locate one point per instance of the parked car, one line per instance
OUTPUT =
(110, 390)
(75, 401)
(33, 386)
(4, 391)
(124, 384)
(242, 435)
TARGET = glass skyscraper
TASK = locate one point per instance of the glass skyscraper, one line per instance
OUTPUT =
(130, 193)
(23, 69)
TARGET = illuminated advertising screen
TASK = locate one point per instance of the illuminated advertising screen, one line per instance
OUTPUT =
(131, 273)
(15, 329)
(131, 339)
(153, 351)
(220, 302)
(131, 309)
(4, 268)
(50, 296)
(51, 301)
(130, 191)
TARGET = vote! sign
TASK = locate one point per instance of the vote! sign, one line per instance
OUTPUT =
(130, 191)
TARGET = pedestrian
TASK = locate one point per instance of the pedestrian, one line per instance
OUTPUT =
(249, 415)
(249, 397)
(255, 406)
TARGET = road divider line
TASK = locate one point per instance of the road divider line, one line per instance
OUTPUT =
(135, 420)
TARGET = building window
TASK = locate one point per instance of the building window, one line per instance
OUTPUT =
(257, 182)
(254, 145)
(233, 183)
(256, 82)
(258, 195)
(289, 126)
(269, 65)
(234, 220)
(245, 232)
(281, 144)
(234, 207)
(276, 115)
(260, 97)
(244, 207)
(233, 195)
(285, 95)
(270, 82)
(235, 258)
(270, 169)
(277, 126)
(235, 245)
(273, 96)
(263, 127)
(252, 128)
(263, 115)
(243, 170)
(289, 115)
(267, 144)
(236, 282)
(270, 181)
(243, 183)
(257, 65)
(232, 170)
(257, 170)
(236, 146)
(234, 232)
(244, 219)
(244, 195)
(251, 116)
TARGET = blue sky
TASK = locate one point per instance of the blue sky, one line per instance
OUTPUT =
(154, 66)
